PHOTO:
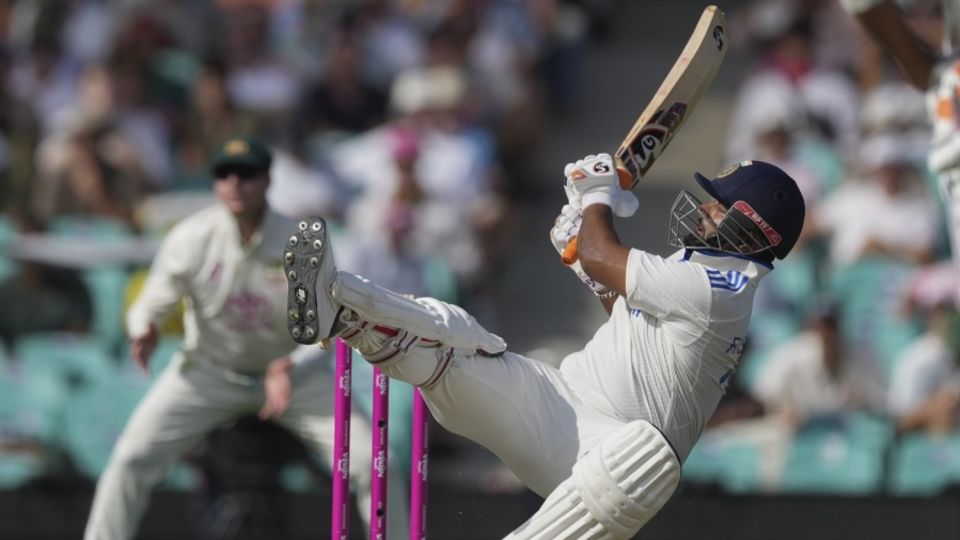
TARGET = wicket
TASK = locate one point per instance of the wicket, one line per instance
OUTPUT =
(340, 517)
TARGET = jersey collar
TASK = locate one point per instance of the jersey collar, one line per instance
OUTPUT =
(688, 253)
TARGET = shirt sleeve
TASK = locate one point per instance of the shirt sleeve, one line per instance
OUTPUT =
(165, 286)
(661, 286)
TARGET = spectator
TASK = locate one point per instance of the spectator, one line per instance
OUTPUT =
(888, 213)
(813, 374)
(925, 386)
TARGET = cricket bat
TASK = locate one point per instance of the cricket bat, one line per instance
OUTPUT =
(676, 98)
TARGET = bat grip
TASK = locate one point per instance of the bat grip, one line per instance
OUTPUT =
(570, 255)
(626, 179)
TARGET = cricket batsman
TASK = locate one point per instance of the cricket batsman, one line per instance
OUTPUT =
(603, 437)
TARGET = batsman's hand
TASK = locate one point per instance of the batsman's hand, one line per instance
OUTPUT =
(606, 187)
(142, 347)
(277, 388)
(565, 230)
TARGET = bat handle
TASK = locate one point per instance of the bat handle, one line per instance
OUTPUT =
(626, 179)
(570, 255)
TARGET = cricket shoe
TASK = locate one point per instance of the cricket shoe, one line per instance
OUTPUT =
(310, 269)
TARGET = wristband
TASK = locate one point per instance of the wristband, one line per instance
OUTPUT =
(597, 196)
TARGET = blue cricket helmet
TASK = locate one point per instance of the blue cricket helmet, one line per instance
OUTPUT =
(766, 195)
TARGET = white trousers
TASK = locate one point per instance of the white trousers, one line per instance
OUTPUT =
(185, 403)
(520, 409)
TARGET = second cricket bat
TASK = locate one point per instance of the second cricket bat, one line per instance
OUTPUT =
(679, 93)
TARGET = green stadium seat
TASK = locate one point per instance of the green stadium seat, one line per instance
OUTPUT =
(75, 359)
(95, 418)
(30, 411)
(766, 333)
(107, 283)
(724, 459)
(7, 233)
(840, 454)
(924, 465)
(871, 293)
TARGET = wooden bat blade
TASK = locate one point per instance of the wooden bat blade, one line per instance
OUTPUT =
(677, 96)
(679, 93)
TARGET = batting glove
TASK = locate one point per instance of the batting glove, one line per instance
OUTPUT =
(587, 184)
(565, 229)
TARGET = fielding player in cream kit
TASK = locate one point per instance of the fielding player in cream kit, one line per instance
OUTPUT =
(225, 262)
(603, 437)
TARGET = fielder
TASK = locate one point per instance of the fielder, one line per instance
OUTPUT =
(603, 437)
(225, 261)
(936, 73)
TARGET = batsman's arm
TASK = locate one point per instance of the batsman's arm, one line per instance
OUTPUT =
(886, 23)
(602, 255)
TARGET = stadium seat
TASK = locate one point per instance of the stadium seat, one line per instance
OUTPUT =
(871, 292)
(924, 465)
(31, 410)
(106, 283)
(724, 459)
(838, 454)
(95, 418)
(7, 233)
(766, 333)
(73, 359)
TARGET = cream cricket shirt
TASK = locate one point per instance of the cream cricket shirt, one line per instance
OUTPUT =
(671, 345)
(235, 295)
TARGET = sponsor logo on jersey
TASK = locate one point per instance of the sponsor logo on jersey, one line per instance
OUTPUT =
(730, 281)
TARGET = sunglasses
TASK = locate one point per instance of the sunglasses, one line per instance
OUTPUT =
(243, 172)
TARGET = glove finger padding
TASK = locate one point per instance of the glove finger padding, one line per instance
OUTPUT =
(573, 198)
(565, 228)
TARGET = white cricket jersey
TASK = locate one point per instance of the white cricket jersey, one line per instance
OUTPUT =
(235, 295)
(671, 344)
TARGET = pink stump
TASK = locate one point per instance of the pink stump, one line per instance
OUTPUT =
(379, 453)
(418, 468)
(340, 516)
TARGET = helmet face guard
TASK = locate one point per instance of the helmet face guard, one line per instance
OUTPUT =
(741, 231)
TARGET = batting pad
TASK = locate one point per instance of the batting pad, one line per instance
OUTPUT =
(614, 490)
(427, 318)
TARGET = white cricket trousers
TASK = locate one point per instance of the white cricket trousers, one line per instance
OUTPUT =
(186, 402)
(520, 409)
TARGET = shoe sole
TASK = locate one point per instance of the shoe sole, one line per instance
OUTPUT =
(302, 260)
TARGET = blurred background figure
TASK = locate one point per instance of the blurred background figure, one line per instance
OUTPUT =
(925, 386)
(812, 374)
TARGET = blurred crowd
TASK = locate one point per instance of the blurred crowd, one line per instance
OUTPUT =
(412, 126)
(851, 381)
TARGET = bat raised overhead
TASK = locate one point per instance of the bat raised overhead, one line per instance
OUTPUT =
(670, 106)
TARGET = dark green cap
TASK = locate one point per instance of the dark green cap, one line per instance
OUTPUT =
(241, 151)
